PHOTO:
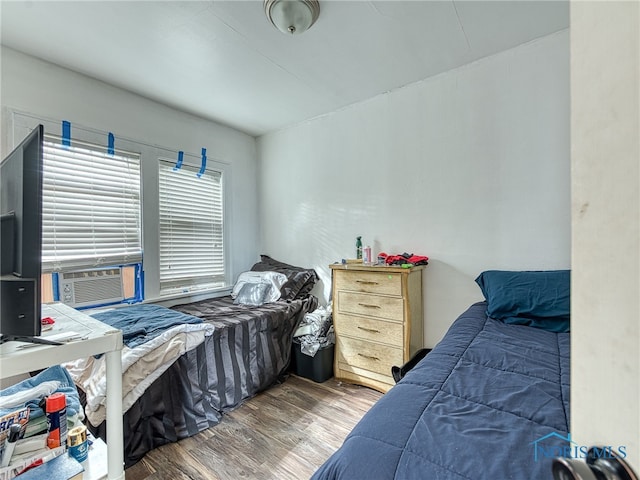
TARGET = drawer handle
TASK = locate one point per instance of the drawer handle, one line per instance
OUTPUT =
(368, 357)
(368, 305)
(367, 282)
(372, 330)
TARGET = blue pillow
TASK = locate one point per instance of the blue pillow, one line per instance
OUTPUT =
(536, 298)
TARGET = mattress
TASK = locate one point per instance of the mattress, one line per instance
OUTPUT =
(486, 403)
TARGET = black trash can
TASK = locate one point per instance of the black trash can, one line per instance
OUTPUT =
(318, 368)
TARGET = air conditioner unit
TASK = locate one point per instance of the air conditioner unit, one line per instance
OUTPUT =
(91, 287)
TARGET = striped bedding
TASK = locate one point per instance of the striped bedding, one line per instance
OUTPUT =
(248, 351)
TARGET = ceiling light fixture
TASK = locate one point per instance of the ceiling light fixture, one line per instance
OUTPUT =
(292, 16)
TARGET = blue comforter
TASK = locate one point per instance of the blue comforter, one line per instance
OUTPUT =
(491, 401)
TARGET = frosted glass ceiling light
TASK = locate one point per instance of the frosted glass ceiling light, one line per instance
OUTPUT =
(292, 16)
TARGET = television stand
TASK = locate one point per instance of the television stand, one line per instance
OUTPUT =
(27, 339)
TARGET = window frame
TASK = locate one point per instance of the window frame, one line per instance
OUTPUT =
(21, 123)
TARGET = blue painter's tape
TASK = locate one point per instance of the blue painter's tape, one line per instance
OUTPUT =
(55, 286)
(140, 285)
(111, 146)
(66, 133)
(204, 162)
(140, 280)
(179, 162)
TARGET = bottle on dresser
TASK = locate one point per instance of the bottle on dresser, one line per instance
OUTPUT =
(366, 255)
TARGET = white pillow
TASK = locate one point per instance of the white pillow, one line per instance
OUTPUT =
(274, 278)
(254, 294)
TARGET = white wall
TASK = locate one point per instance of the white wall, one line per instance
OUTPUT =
(470, 167)
(46, 90)
(605, 159)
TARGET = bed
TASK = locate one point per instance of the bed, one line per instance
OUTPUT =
(490, 401)
(212, 356)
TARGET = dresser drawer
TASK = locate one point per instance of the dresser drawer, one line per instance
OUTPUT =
(368, 355)
(365, 328)
(371, 305)
(369, 282)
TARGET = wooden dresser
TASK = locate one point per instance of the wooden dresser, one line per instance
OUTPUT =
(377, 317)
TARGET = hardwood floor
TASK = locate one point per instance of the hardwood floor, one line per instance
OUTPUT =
(284, 433)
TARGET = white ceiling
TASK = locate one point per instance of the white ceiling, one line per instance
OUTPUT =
(224, 61)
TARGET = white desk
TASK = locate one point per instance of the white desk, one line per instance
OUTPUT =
(17, 358)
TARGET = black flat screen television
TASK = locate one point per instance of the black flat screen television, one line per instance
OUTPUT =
(21, 240)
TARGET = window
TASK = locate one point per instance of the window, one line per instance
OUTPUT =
(191, 229)
(91, 207)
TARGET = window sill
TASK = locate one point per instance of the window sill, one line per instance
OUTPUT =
(188, 297)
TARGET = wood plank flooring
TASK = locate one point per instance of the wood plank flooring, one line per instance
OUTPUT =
(284, 433)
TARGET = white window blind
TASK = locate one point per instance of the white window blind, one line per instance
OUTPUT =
(91, 207)
(191, 229)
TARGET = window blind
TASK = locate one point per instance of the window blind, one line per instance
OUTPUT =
(90, 206)
(191, 229)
